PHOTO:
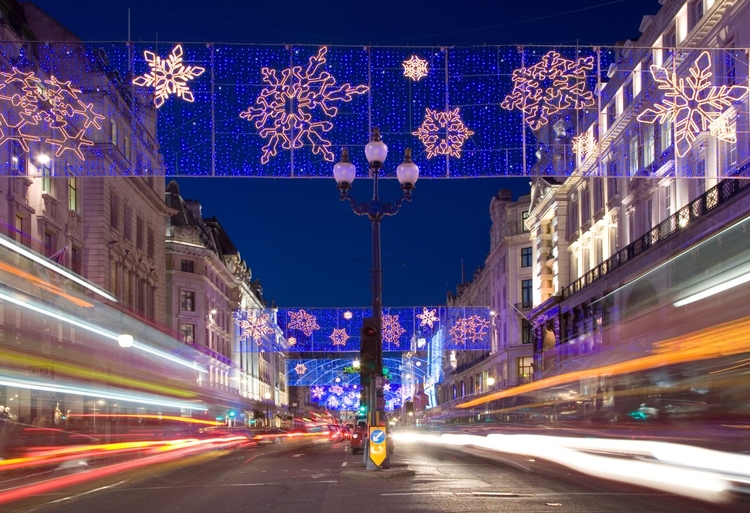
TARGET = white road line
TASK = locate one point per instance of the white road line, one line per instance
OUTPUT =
(297, 455)
(343, 464)
(86, 493)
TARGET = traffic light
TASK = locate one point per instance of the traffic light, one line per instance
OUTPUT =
(362, 409)
(370, 349)
(232, 414)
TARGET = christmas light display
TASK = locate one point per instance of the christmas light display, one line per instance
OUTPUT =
(303, 321)
(300, 369)
(347, 315)
(469, 329)
(253, 326)
(443, 133)
(339, 337)
(415, 68)
(287, 112)
(316, 392)
(35, 102)
(168, 76)
(427, 317)
(584, 144)
(691, 103)
(549, 86)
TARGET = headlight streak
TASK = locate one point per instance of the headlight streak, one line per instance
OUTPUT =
(94, 329)
(694, 472)
(141, 399)
(11, 245)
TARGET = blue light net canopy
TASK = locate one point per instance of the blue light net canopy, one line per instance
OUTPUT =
(287, 111)
(337, 330)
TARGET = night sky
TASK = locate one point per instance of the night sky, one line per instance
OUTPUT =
(304, 245)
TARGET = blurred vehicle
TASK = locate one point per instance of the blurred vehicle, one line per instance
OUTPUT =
(335, 433)
(270, 436)
(357, 442)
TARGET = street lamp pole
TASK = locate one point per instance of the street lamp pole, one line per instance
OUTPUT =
(268, 409)
(407, 173)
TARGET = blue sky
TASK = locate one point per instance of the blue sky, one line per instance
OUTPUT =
(303, 244)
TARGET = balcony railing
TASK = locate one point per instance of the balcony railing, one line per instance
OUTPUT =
(712, 198)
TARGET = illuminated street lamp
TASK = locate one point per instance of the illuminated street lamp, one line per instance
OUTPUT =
(344, 173)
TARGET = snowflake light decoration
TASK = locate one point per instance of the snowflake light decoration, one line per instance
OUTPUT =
(317, 392)
(443, 133)
(287, 109)
(168, 76)
(691, 103)
(291, 341)
(584, 145)
(387, 387)
(51, 102)
(549, 86)
(300, 369)
(336, 389)
(304, 322)
(332, 402)
(254, 327)
(392, 329)
(339, 337)
(469, 329)
(415, 68)
(428, 317)
(348, 315)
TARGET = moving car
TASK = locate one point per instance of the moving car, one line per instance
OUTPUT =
(359, 434)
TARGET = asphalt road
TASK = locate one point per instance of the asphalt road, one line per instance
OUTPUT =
(307, 477)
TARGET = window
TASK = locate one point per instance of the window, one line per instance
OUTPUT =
(127, 148)
(627, 93)
(114, 217)
(526, 257)
(695, 13)
(49, 244)
(611, 115)
(598, 193)
(113, 131)
(150, 243)
(187, 333)
(524, 368)
(669, 199)
(18, 229)
(665, 136)
(573, 214)
(73, 194)
(613, 240)
(585, 204)
(187, 266)
(17, 163)
(648, 145)
(128, 220)
(524, 218)
(46, 173)
(730, 65)
(138, 233)
(113, 277)
(187, 300)
(527, 300)
(634, 164)
(76, 260)
(700, 172)
(527, 332)
(669, 39)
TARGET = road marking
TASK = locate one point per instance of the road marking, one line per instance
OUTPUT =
(251, 458)
(85, 493)
(343, 464)
(297, 455)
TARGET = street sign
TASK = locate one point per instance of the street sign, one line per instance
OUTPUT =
(377, 444)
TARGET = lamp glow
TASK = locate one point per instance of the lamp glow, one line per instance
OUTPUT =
(125, 340)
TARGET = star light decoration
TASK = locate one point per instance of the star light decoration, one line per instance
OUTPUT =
(317, 392)
(348, 315)
(50, 102)
(304, 322)
(168, 76)
(392, 329)
(288, 109)
(584, 145)
(443, 133)
(692, 103)
(254, 326)
(469, 329)
(428, 317)
(415, 68)
(300, 369)
(549, 86)
(339, 337)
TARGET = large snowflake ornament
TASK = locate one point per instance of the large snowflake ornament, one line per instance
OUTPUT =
(289, 109)
(49, 102)
(333, 402)
(392, 329)
(469, 329)
(304, 322)
(336, 389)
(415, 68)
(168, 76)
(254, 326)
(549, 86)
(428, 317)
(443, 133)
(339, 337)
(691, 103)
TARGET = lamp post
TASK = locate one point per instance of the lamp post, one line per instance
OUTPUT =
(344, 173)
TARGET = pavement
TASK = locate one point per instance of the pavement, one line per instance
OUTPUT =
(359, 471)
